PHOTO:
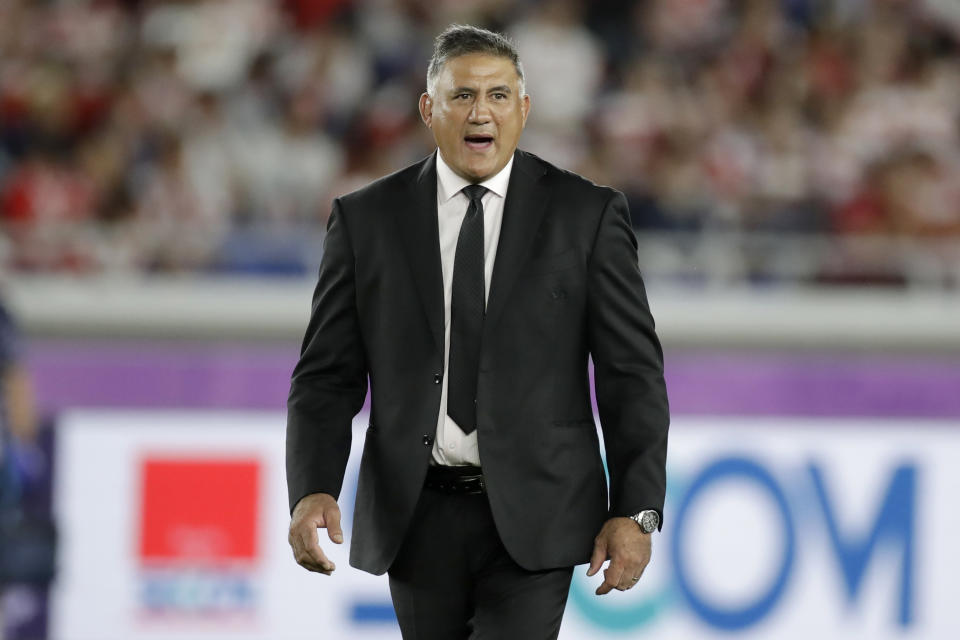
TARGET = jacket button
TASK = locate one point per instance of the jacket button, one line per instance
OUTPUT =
(437, 378)
(427, 440)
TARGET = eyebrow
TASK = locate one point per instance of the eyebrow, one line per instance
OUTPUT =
(499, 88)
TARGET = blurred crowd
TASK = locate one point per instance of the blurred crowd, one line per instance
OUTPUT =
(210, 135)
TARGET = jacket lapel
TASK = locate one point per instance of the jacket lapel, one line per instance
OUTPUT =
(527, 199)
(418, 230)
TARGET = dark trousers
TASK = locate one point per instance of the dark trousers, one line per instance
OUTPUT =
(453, 579)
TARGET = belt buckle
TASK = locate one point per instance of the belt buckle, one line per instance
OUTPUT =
(474, 485)
(461, 485)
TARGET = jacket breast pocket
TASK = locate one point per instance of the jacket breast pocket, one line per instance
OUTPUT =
(551, 264)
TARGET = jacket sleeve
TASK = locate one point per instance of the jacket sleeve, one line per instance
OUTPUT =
(329, 383)
(628, 367)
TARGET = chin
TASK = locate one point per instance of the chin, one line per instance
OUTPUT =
(476, 174)
(484, 171)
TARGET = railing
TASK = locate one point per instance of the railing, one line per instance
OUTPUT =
(703, 316)
(721, 259)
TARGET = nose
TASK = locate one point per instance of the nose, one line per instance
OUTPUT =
(480, 113)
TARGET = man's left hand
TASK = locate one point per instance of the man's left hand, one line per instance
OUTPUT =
(628, 549)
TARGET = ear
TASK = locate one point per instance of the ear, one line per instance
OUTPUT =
(426, 109)
(525, 109)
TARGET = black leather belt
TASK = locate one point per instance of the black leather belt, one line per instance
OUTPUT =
(463, 480)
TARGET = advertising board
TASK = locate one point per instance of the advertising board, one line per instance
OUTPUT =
(174, 526)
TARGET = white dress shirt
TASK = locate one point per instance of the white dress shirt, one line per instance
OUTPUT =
(452, 446)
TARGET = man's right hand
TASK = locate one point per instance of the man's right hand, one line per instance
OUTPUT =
(315, 511)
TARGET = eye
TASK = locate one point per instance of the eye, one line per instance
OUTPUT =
(462, 96)
(500, 96)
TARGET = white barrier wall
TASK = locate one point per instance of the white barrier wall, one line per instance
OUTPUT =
(174, 526)
(258, 308)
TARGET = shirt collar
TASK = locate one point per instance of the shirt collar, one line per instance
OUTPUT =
(449, 183)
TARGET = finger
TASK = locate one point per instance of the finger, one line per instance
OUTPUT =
(317, 564)
(611, 579)
(629, 580)
(312, 566)
(332, 518)
(633, 570)
(311, 553)
(597, 559)
(300, 554)
(296, 545)
(639, 569)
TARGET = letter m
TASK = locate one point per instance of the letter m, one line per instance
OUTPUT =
(893, 526)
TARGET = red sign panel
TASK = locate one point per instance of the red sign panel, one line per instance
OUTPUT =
(199, 511)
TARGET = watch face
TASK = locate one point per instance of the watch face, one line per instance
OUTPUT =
(649, 521)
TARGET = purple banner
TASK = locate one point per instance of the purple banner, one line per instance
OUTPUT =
(256, 376)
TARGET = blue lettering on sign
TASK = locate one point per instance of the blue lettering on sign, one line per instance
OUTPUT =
(892, 529)
(372, 612)
(196, 592)
(893, 525)
(714, 615)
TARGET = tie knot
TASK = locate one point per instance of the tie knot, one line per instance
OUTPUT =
(474, 191)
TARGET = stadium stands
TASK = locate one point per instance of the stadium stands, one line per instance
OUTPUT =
(757, 141)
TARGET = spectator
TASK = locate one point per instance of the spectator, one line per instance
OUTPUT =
(748, 116)
(18, 430)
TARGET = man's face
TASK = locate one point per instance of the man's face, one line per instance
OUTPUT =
(477, 114)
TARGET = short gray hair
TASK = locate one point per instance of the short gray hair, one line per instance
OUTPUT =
(461, 39)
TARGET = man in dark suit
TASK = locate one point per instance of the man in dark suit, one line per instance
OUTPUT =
(470, 289)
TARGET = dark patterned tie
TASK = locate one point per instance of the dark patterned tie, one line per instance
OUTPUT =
(467, 306)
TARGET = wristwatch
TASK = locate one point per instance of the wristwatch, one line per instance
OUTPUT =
(648, 519)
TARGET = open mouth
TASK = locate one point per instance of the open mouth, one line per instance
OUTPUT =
(478, 141)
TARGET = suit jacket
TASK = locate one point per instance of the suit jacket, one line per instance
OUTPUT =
(566, 285)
